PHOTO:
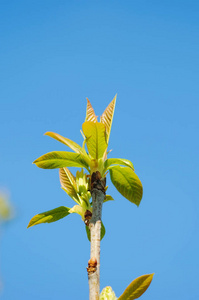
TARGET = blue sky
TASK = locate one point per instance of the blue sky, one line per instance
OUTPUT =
(54, 54)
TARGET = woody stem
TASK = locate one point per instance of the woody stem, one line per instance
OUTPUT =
(98, 195)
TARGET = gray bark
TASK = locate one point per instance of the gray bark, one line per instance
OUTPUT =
(98, 195)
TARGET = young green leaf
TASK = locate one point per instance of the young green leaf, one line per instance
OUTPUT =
(95, 138)
(137, 287)
(108, 198)
(74, 146)
(68, 183)
(107, 117)
(107, 294)
(117, 161)
(127, 183)
(60, 159)
(50, 216)
(78, 210)
(103, 231)
(90, 114)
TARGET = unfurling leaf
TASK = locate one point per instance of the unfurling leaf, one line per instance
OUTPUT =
(107, 294)
(60, 159)
(82, 183)
(103, 231)
(95, 138)
(127, 183)
(74, 146)
(107, 117)
(68, 183)
(90, 114)
(137, 287)
(50, 216)
(117, 161)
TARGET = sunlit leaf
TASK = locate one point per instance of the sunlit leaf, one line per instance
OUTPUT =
(50, 216)
(107, 117)
(74, 146)
(107, 294)
(103, 231)
(108, 198)
(90, 114)
(60, 159)
(117, 161)
(127, 183)
(68, 183)
(95, 138)
(82, 182)
(78, 210)
(137, 287)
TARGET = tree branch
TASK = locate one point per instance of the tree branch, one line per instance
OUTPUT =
(98, 196)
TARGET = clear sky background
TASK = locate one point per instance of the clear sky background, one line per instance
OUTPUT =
(54, 54)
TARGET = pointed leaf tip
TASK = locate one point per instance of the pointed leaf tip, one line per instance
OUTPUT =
(107, 116)
(137, 287)
(49, 216)
(71, 144)
(90, 113)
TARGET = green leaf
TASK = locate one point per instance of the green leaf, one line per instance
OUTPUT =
(108, 198)
(74, 146)
(78, 210)
(117, 161)
(68, 183)
(127, 183)
(90, 114)
(60, 159)
(88, 233)
(50, 216)
(107, 294)
(137, 287)
(95, 138)
(103, 231)
(107, 117)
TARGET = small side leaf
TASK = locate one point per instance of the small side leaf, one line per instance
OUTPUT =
(90, 114)
(127, 183)
(78, 210)
(137, 287)
(107, 117)
(50, 216)
(117, 161)
(95, 138)
(74, 146)
(103, 231)
(68, 183)
(108, 198)
(60, 159)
